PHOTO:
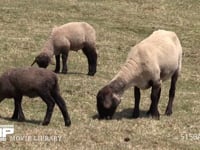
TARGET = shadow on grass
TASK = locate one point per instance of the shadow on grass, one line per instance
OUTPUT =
(128, 114)
(26, 121)
(125, 113)
(71, 73)
(74, 73)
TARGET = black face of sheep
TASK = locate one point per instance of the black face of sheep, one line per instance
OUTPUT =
(42, 61)
(106, 103)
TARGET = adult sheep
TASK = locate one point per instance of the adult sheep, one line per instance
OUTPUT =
(70, 36)
(32, 82)
(149, 63)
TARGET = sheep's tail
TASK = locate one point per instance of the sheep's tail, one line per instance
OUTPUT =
(179, 49)
(56, 85)
(180, 64)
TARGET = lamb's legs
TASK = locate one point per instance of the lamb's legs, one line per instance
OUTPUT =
(18, 112)
(136, 110)
(155, 96)
(57, 69)
(92, 59)
(171, 94)
(63, 108)
(48, 99)
(64, 62)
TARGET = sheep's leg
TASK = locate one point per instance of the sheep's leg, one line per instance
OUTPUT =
(18, 112)
(64, 62)
(171, 94)
(57, 69)
(92, 59)
(136, 111)
(155, 96)
(15, 113)
(63, 108)
(46, 97)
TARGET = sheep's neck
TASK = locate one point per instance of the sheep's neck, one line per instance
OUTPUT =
(118, 86)
(48, 48)
(126, 76)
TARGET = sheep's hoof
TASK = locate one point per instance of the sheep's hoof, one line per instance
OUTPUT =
(156, 115)
(21, 119)
(168, 112)
(56, 71)
(91, 73)
(68, 123)
(45, 123)
(64, 72)
(148, 113)
(136, 113)
(14, 117)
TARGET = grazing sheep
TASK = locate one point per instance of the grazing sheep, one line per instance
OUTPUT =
(70, 36)
(149, 63)
(32, 82)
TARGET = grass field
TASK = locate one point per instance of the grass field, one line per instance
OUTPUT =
(24, 27)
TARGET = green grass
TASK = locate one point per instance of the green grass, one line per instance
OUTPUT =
(24, 27)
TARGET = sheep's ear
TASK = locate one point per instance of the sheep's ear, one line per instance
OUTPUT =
(116, 99)
(107, 102)
(33, 62)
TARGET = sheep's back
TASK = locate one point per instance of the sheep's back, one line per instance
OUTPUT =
(32, 79)
(168, 52)
(74, 35)
(157, 57)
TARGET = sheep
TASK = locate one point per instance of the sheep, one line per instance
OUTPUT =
(149, 63)
(70, 36)
(32, 82)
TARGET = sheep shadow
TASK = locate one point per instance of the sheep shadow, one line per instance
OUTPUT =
(72, 73)
(26, 121)
(75, 73)
(125, 113)
(128, 114)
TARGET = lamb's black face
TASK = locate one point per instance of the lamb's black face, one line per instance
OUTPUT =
(106, 103)
(43, 61)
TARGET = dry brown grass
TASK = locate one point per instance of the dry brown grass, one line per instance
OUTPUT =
(24, 27)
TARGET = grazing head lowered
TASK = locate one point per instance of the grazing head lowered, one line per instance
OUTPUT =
(107, 103)
(108, 98)
(149, 63)
(72, 36)
(43, 60)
